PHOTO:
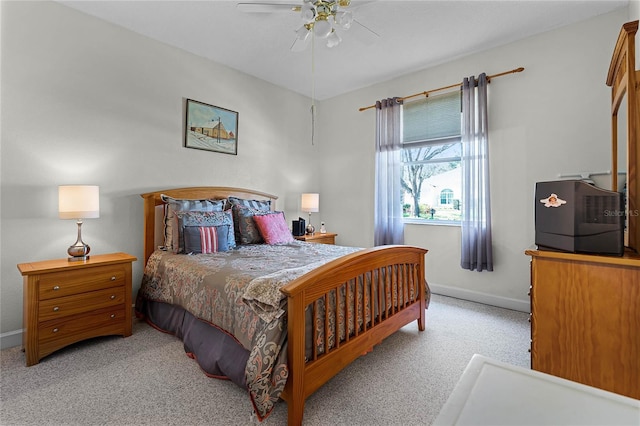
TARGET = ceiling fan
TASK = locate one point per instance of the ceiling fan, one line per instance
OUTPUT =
(324, 19)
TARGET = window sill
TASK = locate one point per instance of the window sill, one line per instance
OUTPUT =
(431, 222)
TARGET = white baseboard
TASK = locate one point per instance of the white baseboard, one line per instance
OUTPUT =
(14, 338)
(485, 298)
(10, 339)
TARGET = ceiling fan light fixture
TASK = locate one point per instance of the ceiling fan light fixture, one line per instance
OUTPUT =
(333, 39)
(308, 12)
(344, 19)
(322, 28)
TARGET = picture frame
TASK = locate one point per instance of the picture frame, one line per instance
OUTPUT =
(210, 128)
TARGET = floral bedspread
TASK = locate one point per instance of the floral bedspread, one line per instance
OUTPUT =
(238, 291)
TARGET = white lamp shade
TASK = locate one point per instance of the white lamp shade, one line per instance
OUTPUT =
(78, 201)
(310, 203)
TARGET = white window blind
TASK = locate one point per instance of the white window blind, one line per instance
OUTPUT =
(432, 120)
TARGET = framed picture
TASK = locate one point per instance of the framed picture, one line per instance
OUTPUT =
(211, 128)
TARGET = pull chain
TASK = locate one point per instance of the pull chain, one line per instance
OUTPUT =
(313, 88)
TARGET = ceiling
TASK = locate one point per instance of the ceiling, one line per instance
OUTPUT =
(413, 35)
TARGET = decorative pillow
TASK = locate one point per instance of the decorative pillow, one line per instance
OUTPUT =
(254, 204)
(173, 205)
(246, 231)
(206, 239)
(273, 228)
(197, 219)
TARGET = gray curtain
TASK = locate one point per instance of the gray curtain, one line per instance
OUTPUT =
(388, 202)
(477, 252)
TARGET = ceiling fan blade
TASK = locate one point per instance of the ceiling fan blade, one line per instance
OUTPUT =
(363, 33)
(357, 4)
(267, 7)
(299, 45)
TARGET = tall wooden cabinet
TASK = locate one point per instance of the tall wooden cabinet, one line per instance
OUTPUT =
(585, 319)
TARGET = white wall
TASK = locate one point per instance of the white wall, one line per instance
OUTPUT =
(83, 101)
(86, 102)
(552, 118)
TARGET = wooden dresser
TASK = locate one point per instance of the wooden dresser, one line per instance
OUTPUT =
(65, 302)
(585, 319)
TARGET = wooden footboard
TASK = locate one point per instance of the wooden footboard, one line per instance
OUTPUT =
(394, 296)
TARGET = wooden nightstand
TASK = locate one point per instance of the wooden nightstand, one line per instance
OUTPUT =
(318, 238)
(65, 302)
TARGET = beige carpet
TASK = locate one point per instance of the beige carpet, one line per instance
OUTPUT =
(146, 379)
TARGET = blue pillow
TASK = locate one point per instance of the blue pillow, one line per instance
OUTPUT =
(173, 205)
(193, 242)
(197, 219)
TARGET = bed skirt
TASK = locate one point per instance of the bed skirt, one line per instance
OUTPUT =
(218, 354)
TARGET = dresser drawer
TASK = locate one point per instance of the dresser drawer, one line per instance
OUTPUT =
(67, 283)
(55, 334)
(70, 305)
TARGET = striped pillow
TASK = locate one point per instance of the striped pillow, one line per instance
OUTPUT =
(208, 239)
(254, 204)
(205, 239)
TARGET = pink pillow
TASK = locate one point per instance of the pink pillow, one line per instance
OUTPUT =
(273, 228)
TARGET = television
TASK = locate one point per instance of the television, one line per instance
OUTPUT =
(578, 217)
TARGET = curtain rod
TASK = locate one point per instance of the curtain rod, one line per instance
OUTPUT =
(426, 93)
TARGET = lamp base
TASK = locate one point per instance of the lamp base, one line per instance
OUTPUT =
(78, 252)
(310, 229)
(79, 258)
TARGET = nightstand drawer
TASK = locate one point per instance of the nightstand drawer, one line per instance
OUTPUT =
(75, 304)
(55, 334)
(318, 238)
(68, 283)
(323, 239)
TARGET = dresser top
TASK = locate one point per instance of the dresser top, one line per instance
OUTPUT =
(628, 259)
(61, 264)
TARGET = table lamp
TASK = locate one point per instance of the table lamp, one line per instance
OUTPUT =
(310, 203)
(78, 202)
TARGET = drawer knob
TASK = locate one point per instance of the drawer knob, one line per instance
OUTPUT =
(113, 315)
(56, 309)
(113, 296)
(113, 278)
(55, 330)
(56, 287)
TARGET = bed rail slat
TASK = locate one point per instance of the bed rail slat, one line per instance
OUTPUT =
(348, 307)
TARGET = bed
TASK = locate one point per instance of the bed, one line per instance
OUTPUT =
(280, 319)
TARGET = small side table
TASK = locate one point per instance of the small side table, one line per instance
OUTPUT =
(318, 238)
(66, 302)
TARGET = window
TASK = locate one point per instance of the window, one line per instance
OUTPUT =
(431, 151)
(446, 196)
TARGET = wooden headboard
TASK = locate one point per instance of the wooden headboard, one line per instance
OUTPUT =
(152, 201)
